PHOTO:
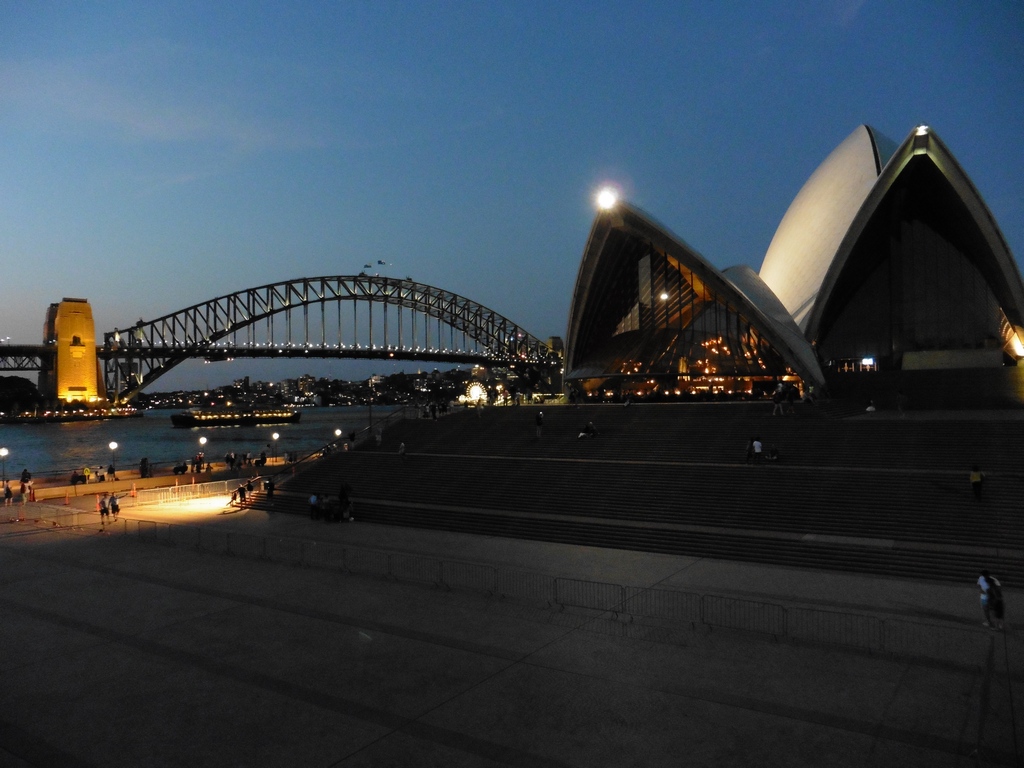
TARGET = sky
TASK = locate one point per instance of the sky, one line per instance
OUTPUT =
(156, 155)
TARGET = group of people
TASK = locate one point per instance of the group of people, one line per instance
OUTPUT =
(24, 490)
(784, 395)
(757, 454)
(233, 460)
(246, 491)
(109, 505)
(322, 506)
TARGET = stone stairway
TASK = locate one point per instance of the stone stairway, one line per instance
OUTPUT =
(884, 496)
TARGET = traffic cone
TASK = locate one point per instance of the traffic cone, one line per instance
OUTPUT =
(97, 502)
(67, 498)
(133, 490)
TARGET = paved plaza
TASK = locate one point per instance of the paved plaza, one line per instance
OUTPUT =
(120, 650)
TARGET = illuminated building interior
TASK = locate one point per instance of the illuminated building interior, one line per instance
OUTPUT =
(651, 315)
(888, 262)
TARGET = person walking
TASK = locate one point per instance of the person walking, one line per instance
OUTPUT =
(757, 450)
(8, 494)
(270, 491)
(115, 506)
(104, 509)
(539, 421)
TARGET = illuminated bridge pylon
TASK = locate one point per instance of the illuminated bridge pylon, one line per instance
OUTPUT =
(358, 316)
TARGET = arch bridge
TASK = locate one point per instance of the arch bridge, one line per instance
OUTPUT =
(359, 316)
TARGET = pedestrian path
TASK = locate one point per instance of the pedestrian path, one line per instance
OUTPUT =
(129, 652)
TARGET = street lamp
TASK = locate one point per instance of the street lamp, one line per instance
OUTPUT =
(113, 458)
(275, 436)
(3, 458)
(202, 450)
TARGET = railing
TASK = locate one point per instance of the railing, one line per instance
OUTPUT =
(184, 492)
(650, 613)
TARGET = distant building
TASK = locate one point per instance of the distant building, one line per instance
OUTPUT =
(887, 273)
(75, 375)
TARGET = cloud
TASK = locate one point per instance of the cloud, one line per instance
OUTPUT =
(75, 97)
(847, 11)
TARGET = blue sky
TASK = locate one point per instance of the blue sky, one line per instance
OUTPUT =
(154, 155)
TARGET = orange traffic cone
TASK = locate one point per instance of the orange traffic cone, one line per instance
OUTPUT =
(133, 490)
(67, 498)
(97, 502)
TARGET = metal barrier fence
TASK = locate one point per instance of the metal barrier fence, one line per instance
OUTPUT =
(658, 609)
(58, 516)
(182, 493)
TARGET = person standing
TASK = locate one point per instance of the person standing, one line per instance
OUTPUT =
(115, 506)
(539, 421)
(977, 476)
(983, 589)
(757, 450)
(104, 510)
(313, 509)
(270, 491)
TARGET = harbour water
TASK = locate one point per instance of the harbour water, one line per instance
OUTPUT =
(53, 450)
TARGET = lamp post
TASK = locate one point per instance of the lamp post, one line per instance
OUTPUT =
(275, 436)
(202, 450)
(3, 458)
(113, 459)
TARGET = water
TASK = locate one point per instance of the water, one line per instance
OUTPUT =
(53, 450)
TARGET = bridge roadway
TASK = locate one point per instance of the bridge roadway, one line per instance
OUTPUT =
(124, 652)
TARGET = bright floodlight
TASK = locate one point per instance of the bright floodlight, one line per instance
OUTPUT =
(607, 198)
(113, 446)
(922, 130)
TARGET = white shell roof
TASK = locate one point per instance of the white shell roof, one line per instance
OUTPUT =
(810, 233)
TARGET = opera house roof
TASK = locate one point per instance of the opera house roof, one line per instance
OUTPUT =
(888, 253)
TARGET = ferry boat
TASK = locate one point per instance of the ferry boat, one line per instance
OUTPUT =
(60, 417)
(235, 417)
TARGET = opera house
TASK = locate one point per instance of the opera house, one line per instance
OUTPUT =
(887, 275)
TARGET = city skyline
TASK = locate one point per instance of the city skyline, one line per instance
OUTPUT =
(156, 157)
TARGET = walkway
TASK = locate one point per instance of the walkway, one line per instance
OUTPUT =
(124, 652)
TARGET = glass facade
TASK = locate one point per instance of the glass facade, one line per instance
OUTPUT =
(651, 318)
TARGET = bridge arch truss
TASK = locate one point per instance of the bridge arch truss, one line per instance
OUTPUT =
(359, 316)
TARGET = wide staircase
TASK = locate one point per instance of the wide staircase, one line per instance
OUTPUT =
(872, 494)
